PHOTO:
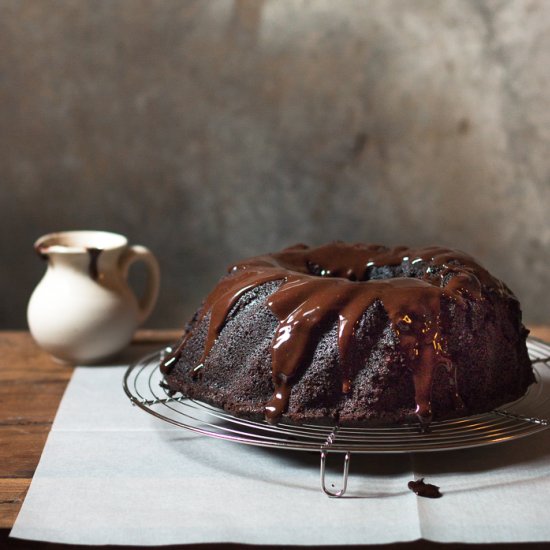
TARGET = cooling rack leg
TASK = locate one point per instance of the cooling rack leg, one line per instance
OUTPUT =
(335, 494)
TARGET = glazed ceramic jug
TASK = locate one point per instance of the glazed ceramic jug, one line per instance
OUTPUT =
(83, 310)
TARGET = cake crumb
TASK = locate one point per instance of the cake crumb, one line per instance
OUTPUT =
(424, 489)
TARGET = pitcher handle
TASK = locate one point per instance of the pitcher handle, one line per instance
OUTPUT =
(137, 253)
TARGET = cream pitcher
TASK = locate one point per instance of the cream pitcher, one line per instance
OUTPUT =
(83, 310)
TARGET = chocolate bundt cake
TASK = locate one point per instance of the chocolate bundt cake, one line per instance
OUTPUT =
(354, 334)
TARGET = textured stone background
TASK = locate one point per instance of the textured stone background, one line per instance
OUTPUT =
(213, 130)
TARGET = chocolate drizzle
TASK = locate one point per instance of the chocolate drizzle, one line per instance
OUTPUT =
(337, 283)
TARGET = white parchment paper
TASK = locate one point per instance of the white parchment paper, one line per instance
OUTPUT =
(112, 474)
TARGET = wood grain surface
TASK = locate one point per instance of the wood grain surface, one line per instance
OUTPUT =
(31, 387)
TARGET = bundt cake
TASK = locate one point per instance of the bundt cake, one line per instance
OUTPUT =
(354, 334)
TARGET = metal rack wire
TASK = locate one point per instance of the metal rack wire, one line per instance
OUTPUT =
(526, 416)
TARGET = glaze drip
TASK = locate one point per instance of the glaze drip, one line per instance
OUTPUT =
(337, 283)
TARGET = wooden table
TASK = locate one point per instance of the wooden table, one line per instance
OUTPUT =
(31, 387)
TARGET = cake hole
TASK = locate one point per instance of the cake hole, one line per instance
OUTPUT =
(317, 270)
(415, 270)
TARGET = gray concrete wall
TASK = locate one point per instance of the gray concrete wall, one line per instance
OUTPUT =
(213, 130)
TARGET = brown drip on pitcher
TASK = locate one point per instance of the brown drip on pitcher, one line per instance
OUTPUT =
(93, 269)
(331, 284)
(40, 251)
(93, 253)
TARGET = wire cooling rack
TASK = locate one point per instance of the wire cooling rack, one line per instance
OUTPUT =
(526, 416)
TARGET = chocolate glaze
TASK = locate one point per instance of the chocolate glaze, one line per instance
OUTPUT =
(338, 282)
(424, 489)
(94, 257)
